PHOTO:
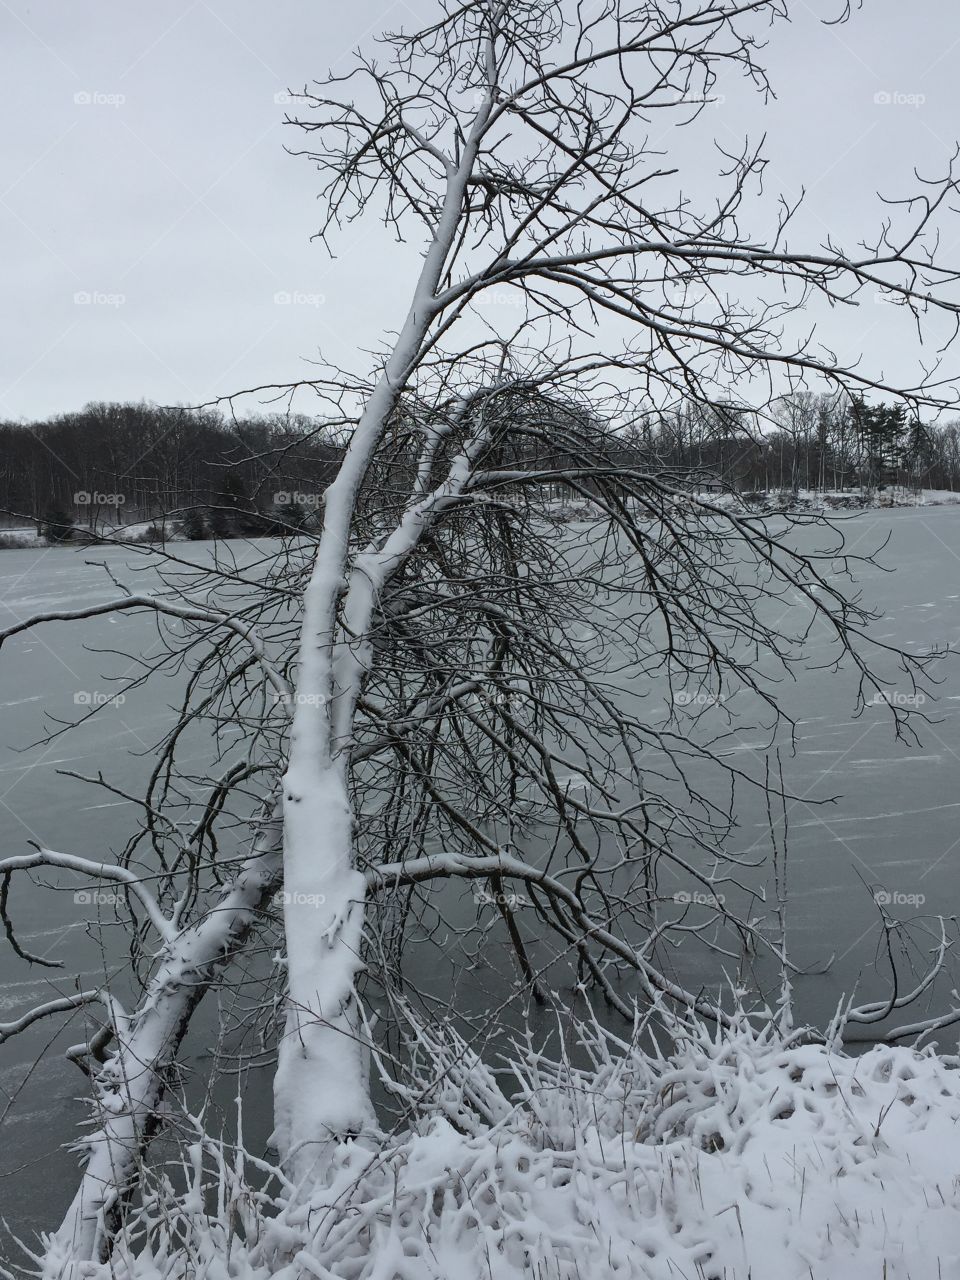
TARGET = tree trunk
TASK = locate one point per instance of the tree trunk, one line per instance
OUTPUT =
(131, 1083)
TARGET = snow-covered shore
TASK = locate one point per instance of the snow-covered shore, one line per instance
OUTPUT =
(803, 500)
(840, 500)
(144, 531)
(742, 1155)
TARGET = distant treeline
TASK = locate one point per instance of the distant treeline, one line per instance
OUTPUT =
(123, 463)
(805, 441)
(128, 463)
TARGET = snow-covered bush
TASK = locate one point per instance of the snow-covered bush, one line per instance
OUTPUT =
(735, 1154)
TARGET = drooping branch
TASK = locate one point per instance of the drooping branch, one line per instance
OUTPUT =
(63, 1004)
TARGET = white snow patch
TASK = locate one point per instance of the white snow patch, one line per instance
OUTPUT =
(738, 1155)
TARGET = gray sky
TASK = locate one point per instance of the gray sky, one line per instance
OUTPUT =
(143, 160)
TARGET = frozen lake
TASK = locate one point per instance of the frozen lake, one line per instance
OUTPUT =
(894, 826)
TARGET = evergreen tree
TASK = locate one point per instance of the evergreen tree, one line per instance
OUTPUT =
(58, 524)
(193, 525)
(919, 452)
(879, 430)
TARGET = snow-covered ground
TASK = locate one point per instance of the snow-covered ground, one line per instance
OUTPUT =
(741, 1156)
(849, 499)
(561, 508)
(11, 539)
(827, 500)
(896, 497)
(933, 498)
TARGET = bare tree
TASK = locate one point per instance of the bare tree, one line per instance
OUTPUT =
(439, 684)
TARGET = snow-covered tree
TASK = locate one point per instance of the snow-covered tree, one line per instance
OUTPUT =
(446, 682)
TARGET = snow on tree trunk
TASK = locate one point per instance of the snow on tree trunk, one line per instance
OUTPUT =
(130, 1085)
(320, 1086)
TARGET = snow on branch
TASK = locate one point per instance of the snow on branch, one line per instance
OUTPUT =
(100, 871)
(61, 1005)
(445, 865)
(188, 612)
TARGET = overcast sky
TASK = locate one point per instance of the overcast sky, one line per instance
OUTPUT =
(149, 215)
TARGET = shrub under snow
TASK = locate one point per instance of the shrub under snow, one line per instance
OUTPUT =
(741, 1154)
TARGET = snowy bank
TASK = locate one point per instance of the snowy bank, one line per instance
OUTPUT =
(743, 1156)
(143, 531)
(842, 500)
